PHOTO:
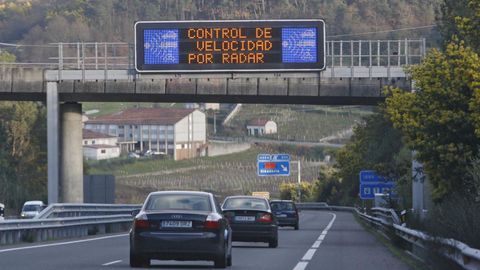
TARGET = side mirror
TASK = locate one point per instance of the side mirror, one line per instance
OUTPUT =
(135, 212)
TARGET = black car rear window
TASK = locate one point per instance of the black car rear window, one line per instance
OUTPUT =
(178, 202)
(245, 203)
(279, 206)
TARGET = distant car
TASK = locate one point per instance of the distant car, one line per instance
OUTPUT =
(180, 225)
(133, 155)
(32, 208)
(2, 211)
(251, 219)
(286, 213)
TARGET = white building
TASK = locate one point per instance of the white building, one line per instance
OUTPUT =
(180, 133)
(259, 127)
(99, 146)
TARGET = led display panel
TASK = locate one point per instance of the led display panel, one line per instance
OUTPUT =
(229, 46)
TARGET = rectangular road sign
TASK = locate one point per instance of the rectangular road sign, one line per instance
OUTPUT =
(367, 191)
(229, 46)
(369, 176)
(371, 183)
(273, 165)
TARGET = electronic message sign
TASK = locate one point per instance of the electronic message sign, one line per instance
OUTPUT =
(229, 46)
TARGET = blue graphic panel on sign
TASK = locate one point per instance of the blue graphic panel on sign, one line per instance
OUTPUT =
(161, 46)
(273, 165)
(368, 176)
(299, 45)
(367, 191)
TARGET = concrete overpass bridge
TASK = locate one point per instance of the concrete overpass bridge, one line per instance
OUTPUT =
(357, 71)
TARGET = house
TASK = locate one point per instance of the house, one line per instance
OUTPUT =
(99, 146)
(260, 127)
(180, 133)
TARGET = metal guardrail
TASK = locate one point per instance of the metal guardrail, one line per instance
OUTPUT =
(465, 256)
(386, 219)
(36, 230)
(68, 220)
(86, 209)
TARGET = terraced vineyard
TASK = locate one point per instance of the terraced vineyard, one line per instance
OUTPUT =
(299, 122)
(227, 175)
(224, 179)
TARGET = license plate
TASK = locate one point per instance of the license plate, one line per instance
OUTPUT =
(245, 218)
(281, 215)
(176, 224)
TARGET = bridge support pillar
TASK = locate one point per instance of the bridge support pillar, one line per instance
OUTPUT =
(52, 142)
(72, 153)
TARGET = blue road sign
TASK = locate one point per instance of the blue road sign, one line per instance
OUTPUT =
(367, 191)
(371, 183)
(273, 165)
(368, 176)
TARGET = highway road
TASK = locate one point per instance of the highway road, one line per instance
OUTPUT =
(326, 240)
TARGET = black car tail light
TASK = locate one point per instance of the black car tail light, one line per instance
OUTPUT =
(142, 222)
(265, 218)
(212, 221)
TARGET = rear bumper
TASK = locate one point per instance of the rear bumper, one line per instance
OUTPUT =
(254, 233)
(178, 246)
(287, 221)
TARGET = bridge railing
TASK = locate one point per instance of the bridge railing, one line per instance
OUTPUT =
(372, 53)
(120, 55)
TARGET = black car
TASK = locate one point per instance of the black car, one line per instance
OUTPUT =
(251, 219)
(180, 225)
(286, 213)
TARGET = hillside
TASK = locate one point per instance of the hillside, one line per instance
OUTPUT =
(47, 21)
(297, 122)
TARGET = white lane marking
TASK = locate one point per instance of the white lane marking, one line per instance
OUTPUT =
(63, 243)
(302, 264)
(110, 263)
(309, 254)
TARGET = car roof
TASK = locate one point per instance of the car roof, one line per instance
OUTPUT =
(277, 201)
(181, 192)
(32, 202)
(245, 197)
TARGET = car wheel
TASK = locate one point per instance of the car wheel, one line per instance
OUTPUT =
(296, 227)
(229, 260)
(273, 243)
(137, 260)
(221, 260)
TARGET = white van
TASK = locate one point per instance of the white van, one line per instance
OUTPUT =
(31, 208)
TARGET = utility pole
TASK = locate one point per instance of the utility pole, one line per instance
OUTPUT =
(299, 180)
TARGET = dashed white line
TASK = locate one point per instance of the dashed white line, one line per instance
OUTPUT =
(302, 264)
(62, 243)
(110, 263)
(309, 254)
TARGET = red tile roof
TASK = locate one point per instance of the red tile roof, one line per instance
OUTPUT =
(257, 122)
(143, 116)
(88, 134)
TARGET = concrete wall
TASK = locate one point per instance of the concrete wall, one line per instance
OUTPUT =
(96, 153)
(225, 148)
(334, 86)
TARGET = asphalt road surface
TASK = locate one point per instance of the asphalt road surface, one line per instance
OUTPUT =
(326, 240)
